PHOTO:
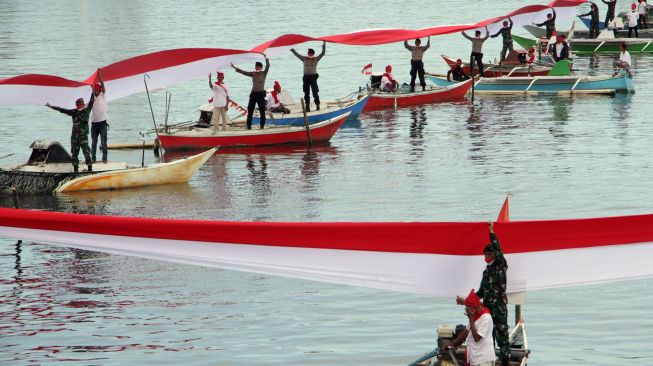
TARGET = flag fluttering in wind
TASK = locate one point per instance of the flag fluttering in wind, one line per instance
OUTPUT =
(367, 70)
(504, 214)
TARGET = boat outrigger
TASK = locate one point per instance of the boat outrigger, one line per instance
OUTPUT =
(515, 65)
(49, 170)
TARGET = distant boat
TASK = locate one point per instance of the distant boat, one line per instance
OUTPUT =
(508, 68)
(191, 138)
(404, 98)
(563, 85)
(49, 170)
(598, 45)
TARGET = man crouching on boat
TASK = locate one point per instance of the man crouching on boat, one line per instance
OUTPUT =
(478, 335)
(493, 293)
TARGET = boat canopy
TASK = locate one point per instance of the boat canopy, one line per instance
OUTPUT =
(48, 152)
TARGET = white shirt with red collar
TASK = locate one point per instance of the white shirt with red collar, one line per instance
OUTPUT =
(272, 102)
(220, 95)
(482, 351)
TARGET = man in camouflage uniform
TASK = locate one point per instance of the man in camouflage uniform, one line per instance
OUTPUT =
(506, 33)
(550, 23)
(79, 135)
(493, 293)
(594, 22)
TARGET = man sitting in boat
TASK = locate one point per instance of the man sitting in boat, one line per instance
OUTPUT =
(560, 49)
(457, 72)
(79, 135)
(550, 23)
(624, 60)
(388, 83)
(273, 101)
(478, 335)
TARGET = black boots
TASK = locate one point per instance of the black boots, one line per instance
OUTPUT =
(505, 362)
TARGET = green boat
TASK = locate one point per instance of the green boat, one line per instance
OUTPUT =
(605, 45)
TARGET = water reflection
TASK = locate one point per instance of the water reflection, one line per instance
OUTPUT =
(475, 126)
(259, 179)
(418, 122)
(560, 106)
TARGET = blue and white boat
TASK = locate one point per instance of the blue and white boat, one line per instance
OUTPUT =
(605, 84)
(328, 110)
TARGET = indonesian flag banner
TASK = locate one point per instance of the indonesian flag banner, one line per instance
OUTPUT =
(367, 70)
(433, 258)
(40, 89)
(565, 9)
(125, 77)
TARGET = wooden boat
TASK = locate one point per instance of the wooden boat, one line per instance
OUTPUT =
(404, 98)
(512, 67)
(519, 350)
(177, 171)
(49, 169)
(598, 45)
(238, 136)
(328, 110)
(564, 85)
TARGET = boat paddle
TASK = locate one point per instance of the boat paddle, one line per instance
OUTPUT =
(6, 156)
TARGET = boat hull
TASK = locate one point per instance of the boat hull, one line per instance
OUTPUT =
(493, 71)
(330, 110)
(550, 84)
(447, 93)
(178, 171)
(611, 45)
(203, 138)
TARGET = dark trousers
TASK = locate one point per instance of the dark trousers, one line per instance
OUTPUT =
(256, 98)
(507, 46)
(479, 61)
(500, 332)
(101, 129)
(77, 141)
(641, 22)
(417, 68)
(609, 16)
(594, 30)
(630, 31)
(310, 84)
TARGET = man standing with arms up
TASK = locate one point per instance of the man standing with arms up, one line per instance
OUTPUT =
(477, 48)
(550, 23)
(311, 75)
(99, 125)
(493, 293)
(257, 95)
(609, 16)
(594, 22)
(79, 135)
(416, 63)
(506, 32)
(220, 103)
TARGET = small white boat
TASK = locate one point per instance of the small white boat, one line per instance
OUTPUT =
(49, 170)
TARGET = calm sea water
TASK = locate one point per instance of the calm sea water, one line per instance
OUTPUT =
(560, 157)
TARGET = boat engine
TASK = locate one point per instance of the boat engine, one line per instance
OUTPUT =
(445, 333)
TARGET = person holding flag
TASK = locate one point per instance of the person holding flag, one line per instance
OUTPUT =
(310, 75)
(493, 293)
(257, 95)
(506, 33)
(609, 16)
(594, 22)
(220, 102)
(416, 63)
(550, 23)
(477, 47)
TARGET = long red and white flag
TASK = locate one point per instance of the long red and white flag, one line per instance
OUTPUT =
(433, 258)
(565, 9)
(126, 77)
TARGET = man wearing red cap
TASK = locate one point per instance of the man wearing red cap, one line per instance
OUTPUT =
(478, 336)
(493, 293)
(220, 102)
(311, 75)
(388, 83)
(274, 101)
(99, 125)
(633, 18)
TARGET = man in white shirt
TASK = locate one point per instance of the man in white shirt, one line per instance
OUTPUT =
(220, 102)
(388, 83)
(478, 335)
(643, 15)
(633, 18)
(99, 125)
(273, 100)
(625, 61)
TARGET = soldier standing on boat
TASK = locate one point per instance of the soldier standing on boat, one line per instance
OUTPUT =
(257, 95)
(550, 23)
(79, 135)
(99, 125)
(493, 293)
(609, 16)
(416, 63)
(506, 32)
(594, 22)
(311, 75)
